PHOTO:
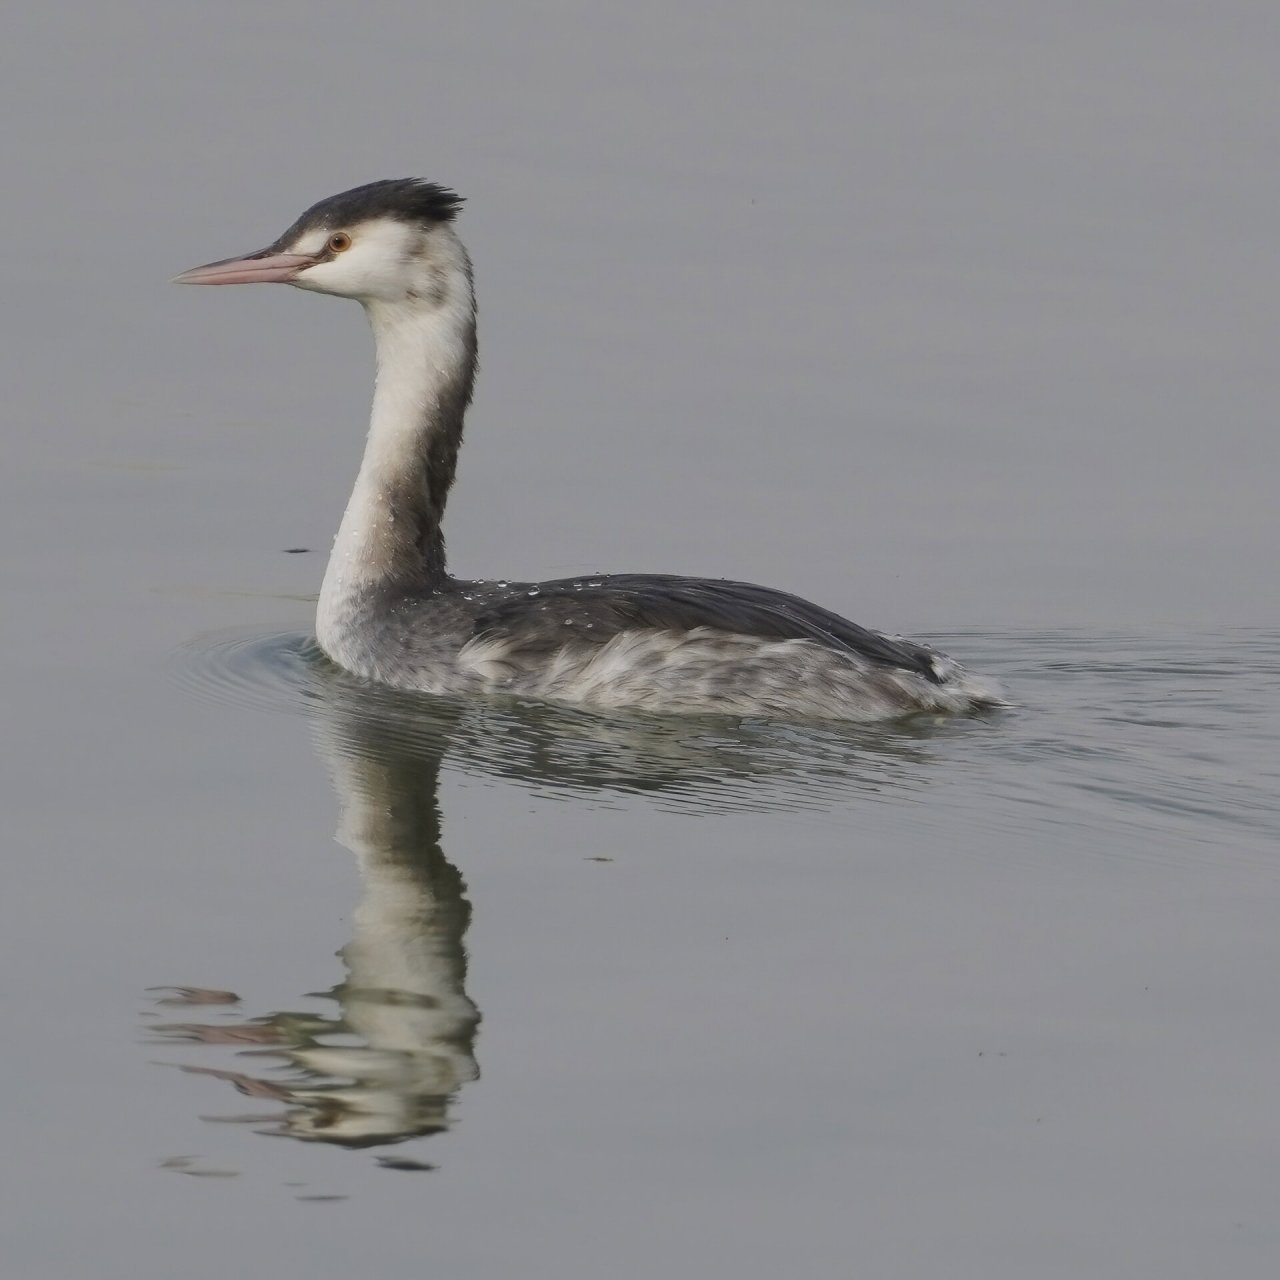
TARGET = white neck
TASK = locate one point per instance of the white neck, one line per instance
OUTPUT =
(390, 534)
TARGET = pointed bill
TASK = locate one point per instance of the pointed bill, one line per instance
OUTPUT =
(263, 267)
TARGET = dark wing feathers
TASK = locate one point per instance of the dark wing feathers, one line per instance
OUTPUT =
(622, 602)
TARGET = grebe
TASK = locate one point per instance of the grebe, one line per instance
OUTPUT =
(390, 612)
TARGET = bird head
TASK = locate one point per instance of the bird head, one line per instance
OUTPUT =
(386, 242)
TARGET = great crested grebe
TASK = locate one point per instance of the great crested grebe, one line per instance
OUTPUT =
(390, 612)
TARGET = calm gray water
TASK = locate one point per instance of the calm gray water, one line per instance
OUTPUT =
(960, 320)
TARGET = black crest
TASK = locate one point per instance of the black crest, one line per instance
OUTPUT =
(406, 199)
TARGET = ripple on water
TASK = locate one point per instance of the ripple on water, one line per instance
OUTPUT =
(1163, 745)
(711, 763)
(266, 670)
(1136, 744)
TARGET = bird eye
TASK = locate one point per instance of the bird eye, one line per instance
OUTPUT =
(339, 241)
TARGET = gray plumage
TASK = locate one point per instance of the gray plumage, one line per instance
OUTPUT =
(390, 612)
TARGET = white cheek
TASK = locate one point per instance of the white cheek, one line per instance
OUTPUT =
(342, 274)
(373, 266)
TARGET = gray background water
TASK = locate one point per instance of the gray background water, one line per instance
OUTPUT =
(959, 319)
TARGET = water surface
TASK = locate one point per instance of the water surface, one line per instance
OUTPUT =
(959, 321)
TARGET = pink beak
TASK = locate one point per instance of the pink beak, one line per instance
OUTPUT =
(256, 268)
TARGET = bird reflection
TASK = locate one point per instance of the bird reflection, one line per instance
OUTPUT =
(383, 1060)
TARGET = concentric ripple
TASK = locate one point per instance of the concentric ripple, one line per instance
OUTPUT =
(268, 670)
(710, 763)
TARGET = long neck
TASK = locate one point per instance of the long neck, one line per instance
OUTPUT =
(390, 535)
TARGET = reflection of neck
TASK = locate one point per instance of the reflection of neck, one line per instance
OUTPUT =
(390, 536)
(406, 962)
(404, 996)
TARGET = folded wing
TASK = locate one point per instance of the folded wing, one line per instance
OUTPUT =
(540, 620)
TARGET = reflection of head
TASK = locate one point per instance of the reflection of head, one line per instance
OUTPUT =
(386, 1063)
(403, 999)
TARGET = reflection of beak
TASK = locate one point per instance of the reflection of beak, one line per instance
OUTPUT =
(263, 267)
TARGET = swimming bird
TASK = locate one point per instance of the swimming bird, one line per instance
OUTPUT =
(390, 612)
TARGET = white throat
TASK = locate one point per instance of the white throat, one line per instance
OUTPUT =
(389, 536)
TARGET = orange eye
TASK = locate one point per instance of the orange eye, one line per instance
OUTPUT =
(339, 241)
